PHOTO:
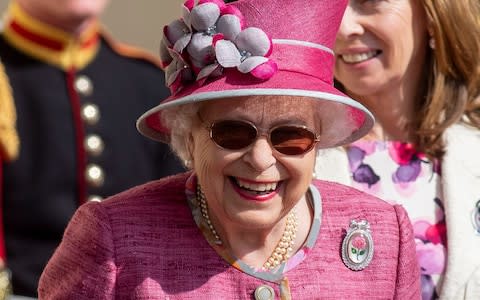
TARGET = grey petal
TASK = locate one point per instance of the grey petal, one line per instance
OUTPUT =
(227, 54)
(230, 26)
(253, 40)
(171, 73)
(165, 56)
(186, 16)
(182, 42)
(176, 30)
(204, 16)
(206, 71)
(200, 48)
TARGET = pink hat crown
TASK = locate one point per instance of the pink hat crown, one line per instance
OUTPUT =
(213, 36)
(257, 48)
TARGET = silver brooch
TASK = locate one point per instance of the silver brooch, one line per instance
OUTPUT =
(476, 218)
(357, 246)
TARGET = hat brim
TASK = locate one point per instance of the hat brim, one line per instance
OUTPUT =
(343, 120)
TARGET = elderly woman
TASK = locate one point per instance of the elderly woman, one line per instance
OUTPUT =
(247, 115)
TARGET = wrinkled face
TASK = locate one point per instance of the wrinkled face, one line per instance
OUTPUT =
(65, 14)
(380, 43)
(256, 186)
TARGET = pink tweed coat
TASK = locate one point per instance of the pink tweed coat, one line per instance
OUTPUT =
(144, 244)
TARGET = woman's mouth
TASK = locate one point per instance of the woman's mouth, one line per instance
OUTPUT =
(354, 58)
(260, 191)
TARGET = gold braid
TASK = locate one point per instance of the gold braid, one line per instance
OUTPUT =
(9, 143)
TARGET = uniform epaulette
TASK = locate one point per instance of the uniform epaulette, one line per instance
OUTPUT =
(128, 50)
(9, 142)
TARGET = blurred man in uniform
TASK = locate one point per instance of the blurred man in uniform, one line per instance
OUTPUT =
(70, 96)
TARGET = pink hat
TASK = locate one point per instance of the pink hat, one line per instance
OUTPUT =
(257, 47)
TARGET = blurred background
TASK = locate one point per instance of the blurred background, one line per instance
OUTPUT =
(137, 22)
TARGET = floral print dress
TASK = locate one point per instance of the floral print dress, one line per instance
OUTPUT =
(397, 173)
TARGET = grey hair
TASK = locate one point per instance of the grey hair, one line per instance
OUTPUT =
(180, 121)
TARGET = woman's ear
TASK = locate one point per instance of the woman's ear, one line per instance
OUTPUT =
(189, 145)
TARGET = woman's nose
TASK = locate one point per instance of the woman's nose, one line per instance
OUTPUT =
(351, 24)
(260, 155)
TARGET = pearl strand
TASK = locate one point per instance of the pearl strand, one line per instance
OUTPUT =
(204, 210)
(284, 247)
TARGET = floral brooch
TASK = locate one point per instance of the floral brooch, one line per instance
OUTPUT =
(210, 37)
(357, 246)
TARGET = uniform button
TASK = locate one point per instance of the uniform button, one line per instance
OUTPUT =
(95, 198)
(264, 292)
(94, 175)
(83, 85)
(90, 113)
(94, 145)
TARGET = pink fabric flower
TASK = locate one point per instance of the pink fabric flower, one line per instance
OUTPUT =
(212, 36)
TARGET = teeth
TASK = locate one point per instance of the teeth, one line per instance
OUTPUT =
(257, 187)
(358, 57)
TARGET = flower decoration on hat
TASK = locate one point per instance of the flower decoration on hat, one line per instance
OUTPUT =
(210, 37)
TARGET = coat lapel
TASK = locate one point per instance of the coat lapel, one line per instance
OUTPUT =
(461, 191)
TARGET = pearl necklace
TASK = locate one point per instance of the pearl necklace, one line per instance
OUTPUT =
(284, 247)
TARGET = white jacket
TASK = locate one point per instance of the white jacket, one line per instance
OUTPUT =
(461, 191)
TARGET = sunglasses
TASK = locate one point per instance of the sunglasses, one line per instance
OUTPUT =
(286, 139)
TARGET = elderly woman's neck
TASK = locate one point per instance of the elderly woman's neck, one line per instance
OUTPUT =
(255, 246)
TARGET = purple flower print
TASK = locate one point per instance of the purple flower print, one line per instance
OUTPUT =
(407, 172)
(365, 174)
(431, 251)
(355, 157)
(428, 288)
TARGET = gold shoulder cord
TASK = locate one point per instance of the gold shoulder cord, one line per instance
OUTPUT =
(8, 151)
(9, 143)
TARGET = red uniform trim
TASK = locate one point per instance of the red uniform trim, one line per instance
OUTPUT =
(36, 38)
(79, 137)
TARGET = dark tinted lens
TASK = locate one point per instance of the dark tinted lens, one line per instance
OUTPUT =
(233, 135)
(292, 140)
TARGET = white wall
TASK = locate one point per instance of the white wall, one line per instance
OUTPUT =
(138, 22)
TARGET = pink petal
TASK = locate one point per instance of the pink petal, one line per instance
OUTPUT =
(251, 63)
(227, 54)
(254, 40)
(189, 4)
(176, 86)
(230, 26)
(265, 71)
(217, 37)
(204, 16)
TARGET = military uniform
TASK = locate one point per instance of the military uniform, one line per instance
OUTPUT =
(76, 102)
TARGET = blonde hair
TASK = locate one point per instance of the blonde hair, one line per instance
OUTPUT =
(451, 89)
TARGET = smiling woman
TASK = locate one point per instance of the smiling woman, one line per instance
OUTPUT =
(248, 114)
(415, 65)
